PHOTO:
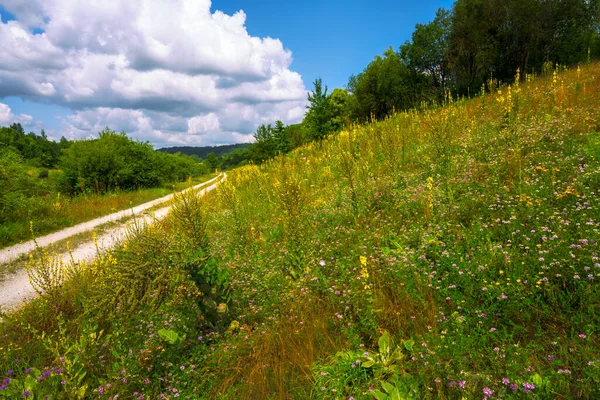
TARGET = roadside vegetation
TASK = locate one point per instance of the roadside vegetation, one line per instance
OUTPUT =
(46, 186)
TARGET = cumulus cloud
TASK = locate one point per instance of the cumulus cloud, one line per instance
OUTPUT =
(190, 73)
(8, 118)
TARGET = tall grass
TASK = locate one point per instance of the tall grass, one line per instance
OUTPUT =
(448, 253)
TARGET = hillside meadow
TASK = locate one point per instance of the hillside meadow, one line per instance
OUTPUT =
(445, 253)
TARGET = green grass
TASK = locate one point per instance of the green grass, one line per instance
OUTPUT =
(444, 254)
(61, 212)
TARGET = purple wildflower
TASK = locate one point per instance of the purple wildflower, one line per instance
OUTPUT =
(528, 387)
(487, 393)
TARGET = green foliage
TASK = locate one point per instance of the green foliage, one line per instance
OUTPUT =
(170, 336)
(37, 150)
(318, 116)
(427, 53)
(280, 137)
(387, 84)
(114, 161)
(265, 146)
(212, 161)
(497, 37)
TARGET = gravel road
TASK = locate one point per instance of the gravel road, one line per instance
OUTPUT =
(16, 288)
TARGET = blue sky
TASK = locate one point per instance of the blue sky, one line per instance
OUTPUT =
(334, 39)
(185, 73)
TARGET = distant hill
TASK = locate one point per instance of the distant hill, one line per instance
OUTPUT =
(202, 152)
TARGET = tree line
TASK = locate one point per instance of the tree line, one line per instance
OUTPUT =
(458, 52)
(111, 161)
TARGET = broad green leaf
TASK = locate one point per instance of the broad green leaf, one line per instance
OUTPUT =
(408, 344)
(378, 395)
(169, 336)
(368, 364)
(384, 342)
(29, 383)
(537, 380)
(389, 388)
(395, 395)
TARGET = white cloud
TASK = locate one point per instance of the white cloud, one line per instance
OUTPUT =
(203, 124)
(184, 68)
(8, 118)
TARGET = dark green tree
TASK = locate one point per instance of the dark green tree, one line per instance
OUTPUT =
(212, 161)
(386, 85)
(339, 105)
(427, 53)
(281, 138)
(318, 116)
(264, 146)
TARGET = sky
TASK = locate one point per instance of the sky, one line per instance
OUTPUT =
(185, 72)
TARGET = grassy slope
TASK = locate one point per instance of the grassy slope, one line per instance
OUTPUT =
(63, 212)
(468, 233)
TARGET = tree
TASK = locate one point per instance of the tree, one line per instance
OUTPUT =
(339, 105)
(264, 146)
(318, 115)
(386, 85)
(212, 161)
(428, 51)
(495, 37)
(281, 138)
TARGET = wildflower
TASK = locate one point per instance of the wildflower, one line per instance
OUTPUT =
(26, 393)
(575, 276)
(550, 358)
(582, 335)
(513, 387)
(528, 387)
(505, 381)
(564, 371)
(461, 384)
(322, 263)
(487, 393)
(9, 372)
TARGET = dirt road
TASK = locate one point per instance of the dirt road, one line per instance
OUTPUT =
(15, 288)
